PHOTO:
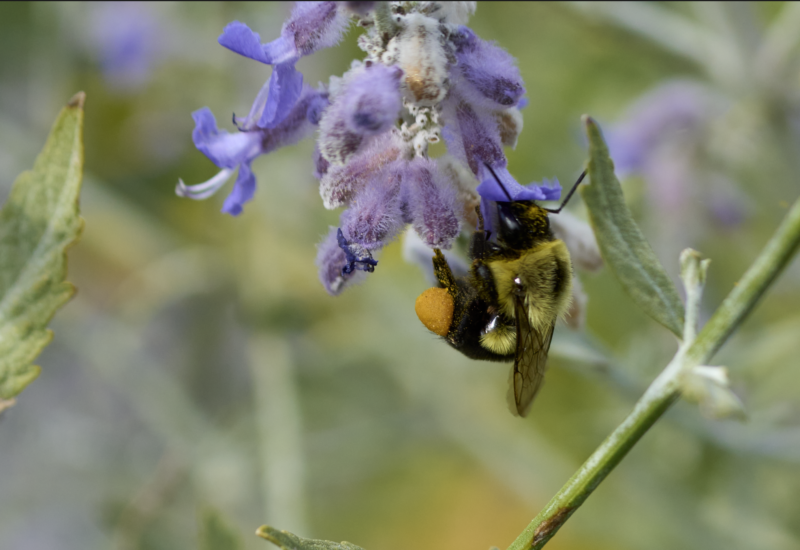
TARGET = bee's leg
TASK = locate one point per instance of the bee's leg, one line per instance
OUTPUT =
(443, 272)
(481, 226)
(484, 280)
(478, 244)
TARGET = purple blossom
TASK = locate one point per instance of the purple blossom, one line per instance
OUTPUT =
(488, 68)
(128, 38)
(673, 111)
(432, 204)
(490, 189)
(310, 27)
(474, 137)
(331, 258)
(423, 78)
(375, 215)
(340, 183)
(238, 150)
(357, 257)
(372, 103)
(367, 105)
(320, 164)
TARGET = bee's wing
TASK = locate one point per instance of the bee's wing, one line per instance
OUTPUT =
(530, 359)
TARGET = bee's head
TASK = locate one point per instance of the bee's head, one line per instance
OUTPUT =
(434, 308)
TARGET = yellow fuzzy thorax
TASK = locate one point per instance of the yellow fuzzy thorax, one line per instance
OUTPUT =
(545, 272)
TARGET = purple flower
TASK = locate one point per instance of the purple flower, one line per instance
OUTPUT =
(340, 183)
(310, 27)
(128, 37)
(674, 111)
(424, 76)
(371, 103)
(375, 215)
(474, 137)
(238, 150)
(320, 164)
(368, 104)
(490, 189)
(488, 68)
(432, 204)
(331, 259)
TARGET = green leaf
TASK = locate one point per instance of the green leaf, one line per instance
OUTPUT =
(622, 244)
(288, 541)
(37, 224)
(215, 534)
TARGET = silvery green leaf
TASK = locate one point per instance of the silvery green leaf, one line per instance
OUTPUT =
(622, 244)
(288, 541)
(37, 223)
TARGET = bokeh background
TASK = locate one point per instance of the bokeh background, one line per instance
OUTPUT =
(202, 368)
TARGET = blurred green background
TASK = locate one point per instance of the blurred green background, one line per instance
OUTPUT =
(202, 366)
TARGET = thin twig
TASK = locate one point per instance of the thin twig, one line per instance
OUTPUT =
(664, 390)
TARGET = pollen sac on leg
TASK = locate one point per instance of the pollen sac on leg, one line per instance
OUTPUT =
(434, 308)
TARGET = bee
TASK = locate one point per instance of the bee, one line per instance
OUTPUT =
(505, 308)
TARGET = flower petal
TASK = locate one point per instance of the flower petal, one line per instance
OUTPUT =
(357, 256)
(285, 87)
(239, 38)
(203, 190)
(508, 189)
(432, 204)
(488, 68)
(243, 191)
(472, 136)
(371, 103)
(223, 149)
(375, 216)
(313, 26)
(330, 260)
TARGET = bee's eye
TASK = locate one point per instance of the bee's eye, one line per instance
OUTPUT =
(434, 308)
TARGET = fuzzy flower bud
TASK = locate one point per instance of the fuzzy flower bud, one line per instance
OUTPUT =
(330, 259)
(372, 102)
(367, 104)
(375, 215)
(311, 27)
(422, 58)
(432, 204)
(487, 68)
(339, 184)
(474, 137)
(509, 122)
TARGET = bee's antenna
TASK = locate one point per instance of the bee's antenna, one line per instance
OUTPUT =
(499, 182)
(569, 196)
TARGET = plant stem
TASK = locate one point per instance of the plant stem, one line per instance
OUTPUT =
(387, 27)
(746, 293)
(664, 390)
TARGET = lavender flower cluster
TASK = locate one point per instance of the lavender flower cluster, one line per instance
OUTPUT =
(425, 77)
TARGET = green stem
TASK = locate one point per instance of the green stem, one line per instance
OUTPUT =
(387, 27)
(744, 296)
(664, 390)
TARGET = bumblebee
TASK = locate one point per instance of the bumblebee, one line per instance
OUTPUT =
(505, 308)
